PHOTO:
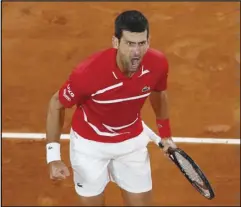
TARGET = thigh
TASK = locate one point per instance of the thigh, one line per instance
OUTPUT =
(132, 172)
(90, 171)
(86, 188)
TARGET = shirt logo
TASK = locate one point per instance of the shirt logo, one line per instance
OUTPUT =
(79, 185)
(69, 91)
(66, 96)
(145, 89)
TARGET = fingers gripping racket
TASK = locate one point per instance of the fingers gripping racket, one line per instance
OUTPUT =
(187, 166)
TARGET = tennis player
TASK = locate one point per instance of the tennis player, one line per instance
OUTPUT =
(108, 139)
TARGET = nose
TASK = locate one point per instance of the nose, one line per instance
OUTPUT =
(137, 50)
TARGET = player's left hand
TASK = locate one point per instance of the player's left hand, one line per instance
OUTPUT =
(168, 142)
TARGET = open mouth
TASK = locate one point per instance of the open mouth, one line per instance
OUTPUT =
(135, 62)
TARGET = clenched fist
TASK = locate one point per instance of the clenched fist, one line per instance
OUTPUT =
(58, 170)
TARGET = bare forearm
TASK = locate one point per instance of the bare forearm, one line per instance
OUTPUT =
(159, 102)
(55, 121)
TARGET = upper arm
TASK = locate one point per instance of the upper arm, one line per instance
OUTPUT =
(157, 98)
(161, 84)
(55, 103)
(75, 90)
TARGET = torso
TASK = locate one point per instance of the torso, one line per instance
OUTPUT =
(112, 111)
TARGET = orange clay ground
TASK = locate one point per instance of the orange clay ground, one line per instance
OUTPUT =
(42, 42)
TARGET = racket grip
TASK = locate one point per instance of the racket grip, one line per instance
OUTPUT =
(160, 145)
(169, 150)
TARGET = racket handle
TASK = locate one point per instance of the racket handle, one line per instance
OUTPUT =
(160, 145)
(170, 150)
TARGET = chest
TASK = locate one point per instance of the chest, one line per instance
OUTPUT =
(123, 90)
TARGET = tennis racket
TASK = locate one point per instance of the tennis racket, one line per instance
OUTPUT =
(187, 166)
(191, 171)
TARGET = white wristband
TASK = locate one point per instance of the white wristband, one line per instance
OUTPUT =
(53, 152)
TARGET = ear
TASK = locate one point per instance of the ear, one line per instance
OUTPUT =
(115, 42)
(148, 41)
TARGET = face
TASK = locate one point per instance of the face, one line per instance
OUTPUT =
(131, 49)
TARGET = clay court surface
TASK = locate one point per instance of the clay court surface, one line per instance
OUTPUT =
(43, 42)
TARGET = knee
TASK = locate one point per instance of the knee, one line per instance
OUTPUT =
(137, 199)
(97, 200)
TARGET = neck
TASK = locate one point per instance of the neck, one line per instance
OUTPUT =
(121, 66)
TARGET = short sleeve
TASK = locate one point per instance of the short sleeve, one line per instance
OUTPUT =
(161, 84)
(74, 90)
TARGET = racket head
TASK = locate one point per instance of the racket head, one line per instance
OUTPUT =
(202, 185)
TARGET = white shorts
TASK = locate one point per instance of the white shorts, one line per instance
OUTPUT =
(95, 164)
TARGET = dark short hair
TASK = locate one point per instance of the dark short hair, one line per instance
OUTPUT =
(132, 21)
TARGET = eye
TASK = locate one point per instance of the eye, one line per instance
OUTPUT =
(142, 43)
(130, 43)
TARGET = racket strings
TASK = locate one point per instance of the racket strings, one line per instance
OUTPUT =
(189, 170)
(193, 175)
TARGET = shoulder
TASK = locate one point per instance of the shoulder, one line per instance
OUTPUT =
(94, 63)
(155, 59)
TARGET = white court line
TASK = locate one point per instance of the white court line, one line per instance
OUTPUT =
(175, 139)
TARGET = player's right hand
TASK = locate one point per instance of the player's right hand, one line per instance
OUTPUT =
(58, 170)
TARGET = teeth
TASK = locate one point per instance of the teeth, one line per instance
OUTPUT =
(135, 62)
